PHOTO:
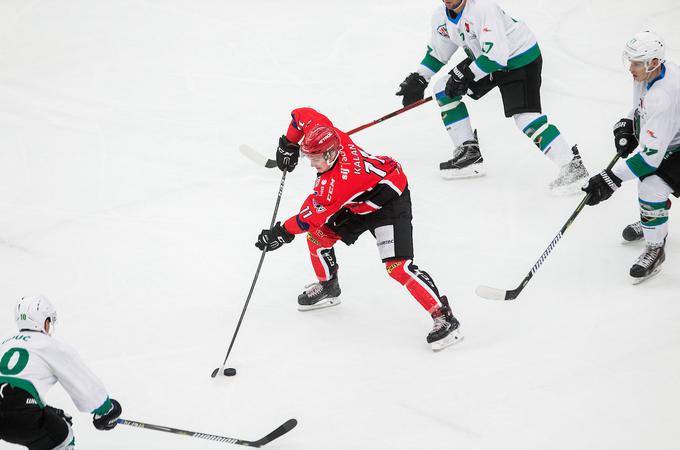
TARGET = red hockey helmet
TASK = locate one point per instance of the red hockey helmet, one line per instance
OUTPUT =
(319, 140)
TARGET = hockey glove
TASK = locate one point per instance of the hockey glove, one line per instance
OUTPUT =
(287, 154)
(601, 187)
(624, 137)
(412, 88)
(269, 240)
(459, 81)
(108, 420)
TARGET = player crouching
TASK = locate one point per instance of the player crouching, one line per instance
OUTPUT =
(31, 362)
(354, 192)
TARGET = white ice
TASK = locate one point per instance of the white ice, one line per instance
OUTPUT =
(124, 199)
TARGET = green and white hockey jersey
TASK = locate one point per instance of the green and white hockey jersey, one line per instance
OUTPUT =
(34, 362)
(656, 113)
(490, 37)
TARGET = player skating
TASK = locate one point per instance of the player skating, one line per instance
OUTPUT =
(31, 362)
(503, 52)
(651, 134)
(354, 192)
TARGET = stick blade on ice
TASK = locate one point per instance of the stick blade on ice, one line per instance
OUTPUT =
(490, 293)
(280, 431)
(255, 156)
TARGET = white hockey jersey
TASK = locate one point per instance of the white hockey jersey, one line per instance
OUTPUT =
(656, 111)
(490, 37)
(34, 362)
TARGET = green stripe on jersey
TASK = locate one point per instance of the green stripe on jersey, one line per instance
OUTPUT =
(25, 385)
(488, 65)
(431, 62)
(639, 166)
(524, 59)
(516, 62)
(104, 408)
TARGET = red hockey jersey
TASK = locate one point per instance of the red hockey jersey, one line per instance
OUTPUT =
(357, 181)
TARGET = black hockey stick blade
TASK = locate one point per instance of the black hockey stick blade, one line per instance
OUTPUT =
(280, 431)
(214, 373)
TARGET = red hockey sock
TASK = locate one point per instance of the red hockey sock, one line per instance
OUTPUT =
(418, 283)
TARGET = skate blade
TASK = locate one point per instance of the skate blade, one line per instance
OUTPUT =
(475, 170)
(325, 303)
(453, 338)
(637, 281)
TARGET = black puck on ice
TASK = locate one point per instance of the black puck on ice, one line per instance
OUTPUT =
(230, 372)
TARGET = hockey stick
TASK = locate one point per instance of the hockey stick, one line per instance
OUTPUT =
(257, 157)
(231, 372)
(262, 160)
(280, 431)
(499, 294)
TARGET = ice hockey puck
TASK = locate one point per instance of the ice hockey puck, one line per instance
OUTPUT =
(230, 372)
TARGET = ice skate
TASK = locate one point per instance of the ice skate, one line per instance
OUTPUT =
(322, 294)
(467, 162)
(633, 232)
(445, 329)
(649, 263)
(571, 177)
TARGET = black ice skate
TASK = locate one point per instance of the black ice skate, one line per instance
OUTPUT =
(649, 263)
(633, 232)
(467, 161)
(320, 295)
(445, 329)
(571, 177)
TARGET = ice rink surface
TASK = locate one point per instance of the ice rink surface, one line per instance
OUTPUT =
(124, 199)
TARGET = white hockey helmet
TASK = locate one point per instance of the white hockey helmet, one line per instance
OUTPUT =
(32, 311)
(644, 47)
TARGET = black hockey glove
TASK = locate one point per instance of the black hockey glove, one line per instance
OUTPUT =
(109, 420)
(601, 187)
(287, 154)
(412, 88)
(624, 137)
(460, 80)
(272, 239)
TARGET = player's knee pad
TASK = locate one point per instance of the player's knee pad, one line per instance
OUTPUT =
(537, 128)
(452, 109)
(654, 213)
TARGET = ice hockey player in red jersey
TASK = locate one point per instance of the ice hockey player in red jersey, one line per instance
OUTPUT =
(354, 192)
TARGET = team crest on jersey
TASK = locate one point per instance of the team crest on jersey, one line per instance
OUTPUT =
(441, 29)
(319, 208)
